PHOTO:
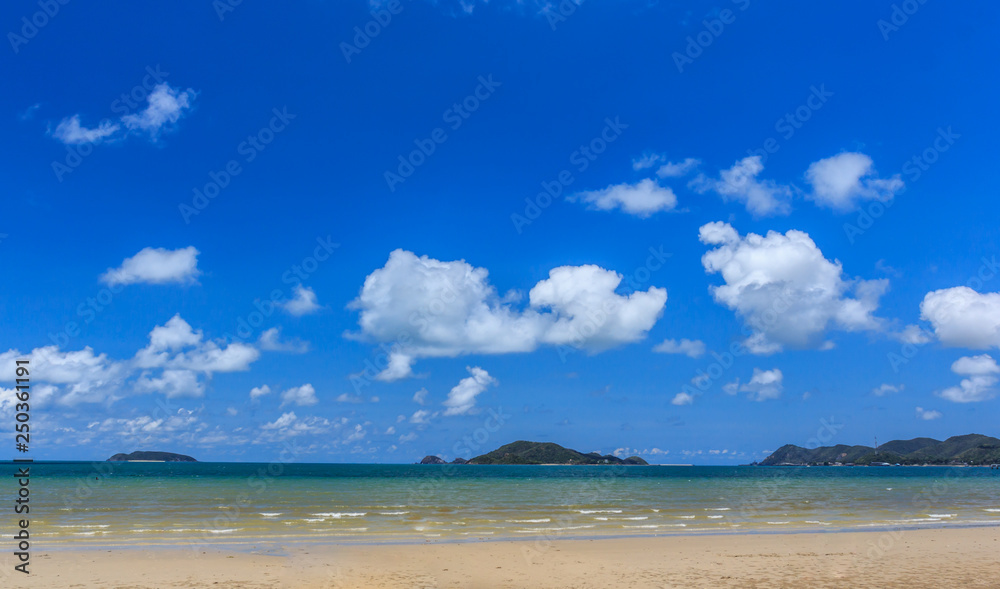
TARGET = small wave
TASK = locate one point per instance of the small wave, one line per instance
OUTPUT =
(817, 522)
(686, 516)
(941, 514)
(338, 514)
(714, 517)
(393, 512)
(86, 526)
(84, 533)
(643, 526)
(531, 521)
(315, 520)
(601, 519)
(226, 531)
(270, 514)
(718, 509)
(589, 511)
(636, 518)
(992, 510)
(778, 523)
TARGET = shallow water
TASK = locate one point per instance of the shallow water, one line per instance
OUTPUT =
(197, 503)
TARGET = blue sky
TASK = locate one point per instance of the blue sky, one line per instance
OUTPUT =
(691, 232)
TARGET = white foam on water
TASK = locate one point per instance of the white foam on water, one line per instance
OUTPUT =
(544, 520)
(338, 514)
(638, 518)
(393, 512)
(321, 519)
(686, 516)
(270, 514)
(714, 517)
(817, 522)
(778, 523)
(941, 514)
(86, 526)
(227, 531)
(718, 508)
(993, 510)
(642, 526)
(589, 511)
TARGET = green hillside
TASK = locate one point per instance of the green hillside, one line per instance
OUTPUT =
(971, 449)
(522, 452)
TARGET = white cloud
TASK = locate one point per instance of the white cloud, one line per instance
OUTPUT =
(913, 334)
(165, 106)
(290, 425)
(303, 303)
(764, 384)
(407, 437)
(156, 266)
(420, 397)
(667, 169)
(301, 396)
(740, 184)
(682, 399)
(167, 341)
(962, 317)
(258, 392)
(641, 199)
(887, 389)
(390, 430)
(981, 372)
(421, 417)
(462, 397)
(172, 383)
(448, 309)
(346, 398)
(271, 341)
(692, 348)
(177, 362)
(928, 415)
(841, 181)
(787, 293)
(70, 132)
(677, 169)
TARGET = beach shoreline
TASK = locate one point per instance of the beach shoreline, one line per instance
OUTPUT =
(912, 558)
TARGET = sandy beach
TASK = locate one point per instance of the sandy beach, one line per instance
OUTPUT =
(953, 558)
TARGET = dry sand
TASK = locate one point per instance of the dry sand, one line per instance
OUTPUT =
(949, 558)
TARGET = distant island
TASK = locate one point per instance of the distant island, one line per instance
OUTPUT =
(151, 457)
(968, 450)
(522, 452)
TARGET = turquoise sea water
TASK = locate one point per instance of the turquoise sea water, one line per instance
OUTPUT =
(174, 503)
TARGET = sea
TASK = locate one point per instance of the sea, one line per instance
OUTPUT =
(74, 504)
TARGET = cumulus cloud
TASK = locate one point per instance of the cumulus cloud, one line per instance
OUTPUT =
(962, 317)
(70, 132)
(420, 397)
(682, 399)
(739, 183)
(913, 334)
(433, 308)
(258, 392)
(271, 341)
(981, 376)
(165, 106)
(301, 396)
(303, 302)
(421, 417)
(764, 384)
(841, 181)
(641, 199)
(691, 348)
(290, 425)
(462, 397)
(783, 288)
(928, 415)
(177, 362)
(155, 266)
(887, 389)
